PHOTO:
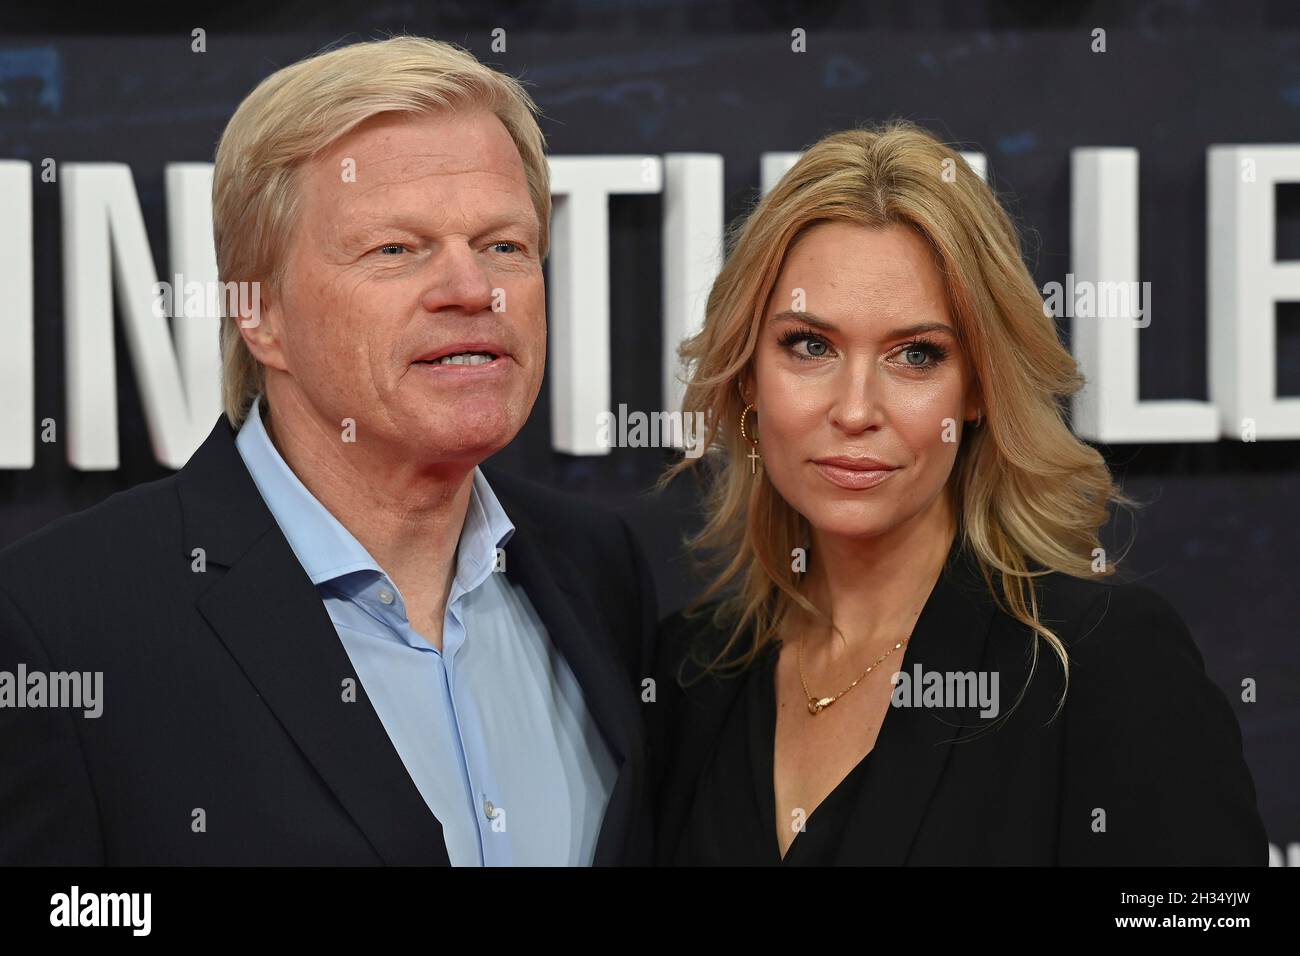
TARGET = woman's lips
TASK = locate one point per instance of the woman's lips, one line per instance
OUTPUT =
(855, 478)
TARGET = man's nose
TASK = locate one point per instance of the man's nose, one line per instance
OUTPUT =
(457, 280)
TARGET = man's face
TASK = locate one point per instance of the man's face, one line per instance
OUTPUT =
(416, 239)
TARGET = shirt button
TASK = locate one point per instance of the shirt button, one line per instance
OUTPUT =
(488, 810)
(386, 596)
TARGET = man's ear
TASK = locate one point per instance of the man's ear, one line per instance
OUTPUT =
(261, 324)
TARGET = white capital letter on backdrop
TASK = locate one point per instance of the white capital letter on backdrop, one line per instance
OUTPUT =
(692, 254)
(1103, 248)
(17, 356)
(101, 212)
(1245, 283)
(193, 255)
(580, 388)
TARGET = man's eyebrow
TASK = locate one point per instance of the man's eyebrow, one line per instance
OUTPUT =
(372, 226)
(817, 322)
(527, 220)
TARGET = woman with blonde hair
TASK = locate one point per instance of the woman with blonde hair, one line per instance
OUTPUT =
(901, 522)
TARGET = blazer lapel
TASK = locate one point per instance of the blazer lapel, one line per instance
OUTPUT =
(912, 747)
(702, 702)
(266, 612)
(552, 585)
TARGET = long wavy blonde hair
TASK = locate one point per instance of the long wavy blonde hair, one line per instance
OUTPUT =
(1029, 496)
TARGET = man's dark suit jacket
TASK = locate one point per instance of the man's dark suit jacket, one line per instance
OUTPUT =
(1144, 736)
(223, 689)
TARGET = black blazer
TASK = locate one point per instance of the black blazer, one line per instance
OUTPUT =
(1144, 735)
(223, 689)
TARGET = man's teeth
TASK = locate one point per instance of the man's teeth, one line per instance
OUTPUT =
(465, 358)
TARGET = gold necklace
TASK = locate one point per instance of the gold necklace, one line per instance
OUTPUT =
(817, 704)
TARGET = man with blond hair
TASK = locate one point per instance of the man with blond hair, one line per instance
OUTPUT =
(330, 639)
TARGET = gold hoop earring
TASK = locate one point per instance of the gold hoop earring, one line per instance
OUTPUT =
(743, 415)
(753, 456)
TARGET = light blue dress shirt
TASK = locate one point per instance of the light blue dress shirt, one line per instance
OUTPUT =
(494, 729)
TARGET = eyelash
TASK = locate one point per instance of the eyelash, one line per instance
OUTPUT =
(401, 245)
(936, 351)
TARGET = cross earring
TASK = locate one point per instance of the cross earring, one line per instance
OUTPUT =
(753, 455)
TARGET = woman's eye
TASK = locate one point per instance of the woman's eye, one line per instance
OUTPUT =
(806, 345)
(922, 355)
(392, 248)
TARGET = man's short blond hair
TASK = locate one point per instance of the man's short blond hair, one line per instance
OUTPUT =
(300, 111)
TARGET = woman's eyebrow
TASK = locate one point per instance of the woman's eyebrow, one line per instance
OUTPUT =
(920, 329)
(818, 322)
(807, 317)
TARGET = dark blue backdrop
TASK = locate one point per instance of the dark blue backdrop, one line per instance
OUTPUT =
(652, 76)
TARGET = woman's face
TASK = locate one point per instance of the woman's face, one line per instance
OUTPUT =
(860, 387)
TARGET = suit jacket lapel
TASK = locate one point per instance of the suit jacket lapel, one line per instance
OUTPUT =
(912, 747)
(702, 706)
(553, 585)
(271, 619)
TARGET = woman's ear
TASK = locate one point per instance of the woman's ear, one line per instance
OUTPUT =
(974, 405)
(745, 385)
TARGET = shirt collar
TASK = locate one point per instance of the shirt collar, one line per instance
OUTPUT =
(487, 527)
(327, 550)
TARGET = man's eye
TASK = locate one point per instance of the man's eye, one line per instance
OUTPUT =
(509, 246)
(392, 249)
